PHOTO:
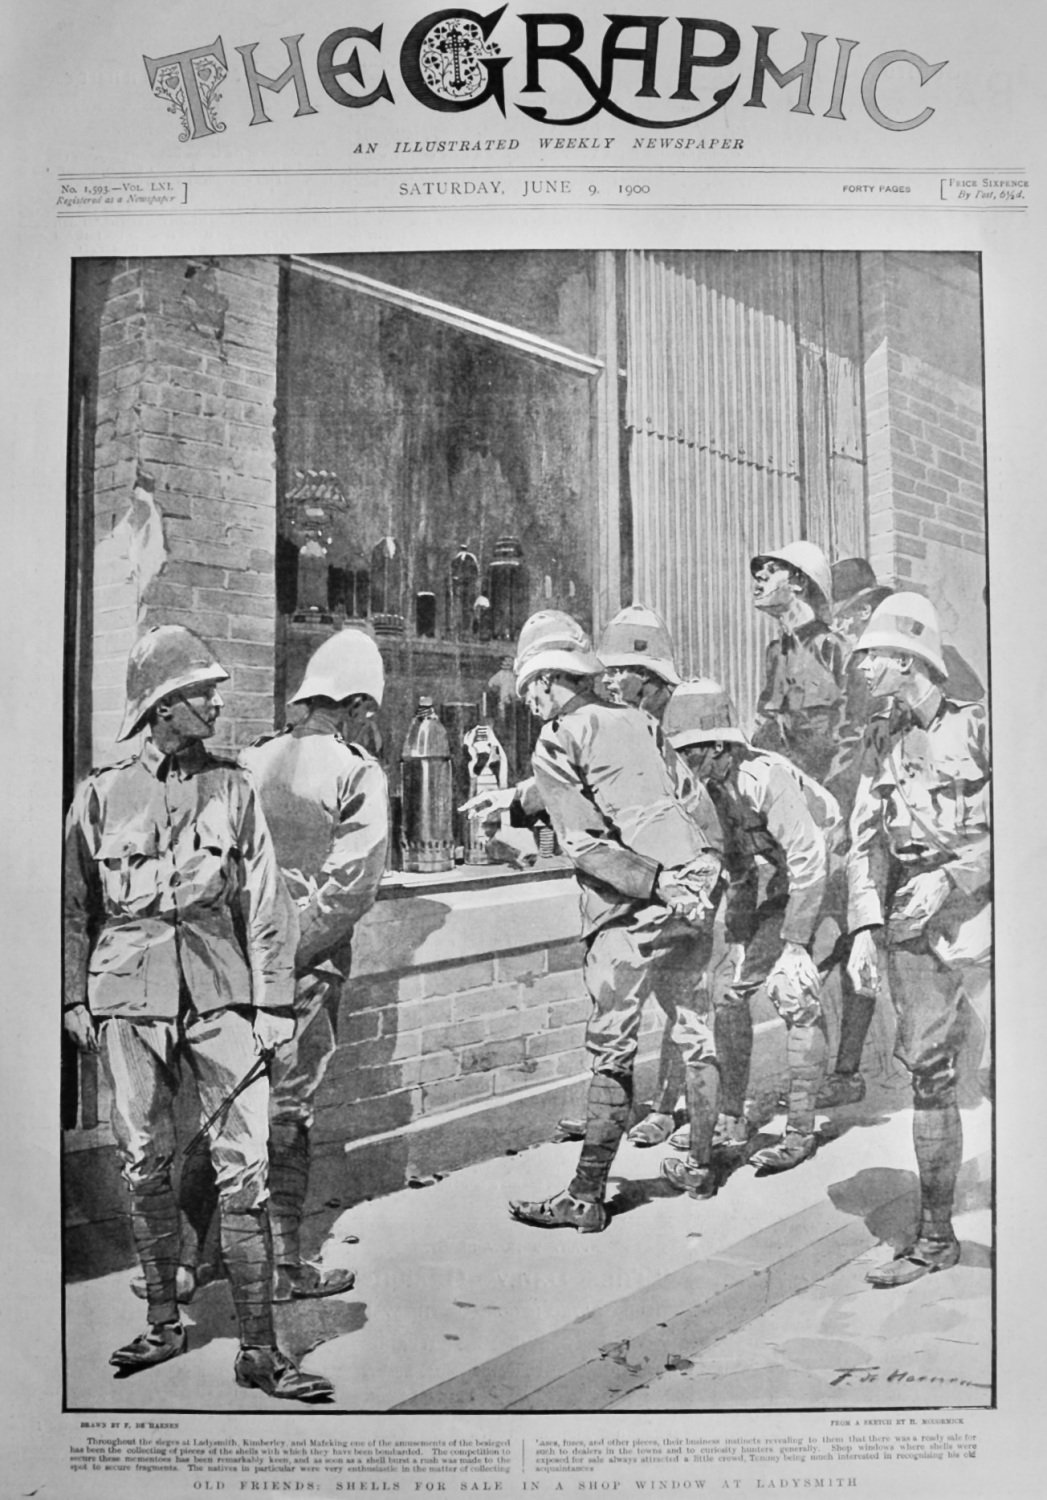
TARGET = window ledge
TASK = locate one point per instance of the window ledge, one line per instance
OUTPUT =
(458, 921)
(399, 883)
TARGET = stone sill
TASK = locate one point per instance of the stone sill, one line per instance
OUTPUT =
(398, 883)
(457, 918)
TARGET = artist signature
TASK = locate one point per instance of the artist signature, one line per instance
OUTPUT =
(877, 1374)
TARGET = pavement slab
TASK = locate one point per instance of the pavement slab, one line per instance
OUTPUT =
(842, 1344)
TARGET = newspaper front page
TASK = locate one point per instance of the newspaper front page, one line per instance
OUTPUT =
(422, 325)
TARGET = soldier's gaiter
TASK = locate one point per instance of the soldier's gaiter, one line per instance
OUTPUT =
(806, 1050)
(607, 1115)
(702, 1083)
(154, 1225)
(938, 1139)
(733, 1031)
(288, 1185)
(249, 1264)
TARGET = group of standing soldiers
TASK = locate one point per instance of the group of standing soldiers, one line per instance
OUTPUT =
(210, 904)
(209, 911)
(860, 803)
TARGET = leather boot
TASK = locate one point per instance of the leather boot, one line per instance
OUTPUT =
(840, 1089)
(916, 1260)
(270, 1370)
(160, 1342)
(291, 1283)
(689, 1177)
(562, 1211)
(652, 1130)
(789, 1152)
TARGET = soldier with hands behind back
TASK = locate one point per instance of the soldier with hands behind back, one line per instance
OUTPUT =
(326, 804)
(645, 875)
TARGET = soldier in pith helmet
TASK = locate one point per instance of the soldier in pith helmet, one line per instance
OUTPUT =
(801, 703)
(645, 874)
(856, 593)
(637, 653)
(325, 801)
(923, 805)
(179, 947)
(772, 811)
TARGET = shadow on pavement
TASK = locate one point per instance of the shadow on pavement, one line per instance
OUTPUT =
(635, 1192)
(300, 1325)
(975, 1255)
(889, 1202)
(303, 1326)
(886, 1198)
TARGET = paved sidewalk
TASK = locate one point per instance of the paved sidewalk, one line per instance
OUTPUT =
(460, 1308)
(840, 1344)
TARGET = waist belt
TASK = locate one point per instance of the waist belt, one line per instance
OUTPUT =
(921, 854)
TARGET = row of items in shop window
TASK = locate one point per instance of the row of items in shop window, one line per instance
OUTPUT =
(321, 572)
(449, 757)
(469, 603)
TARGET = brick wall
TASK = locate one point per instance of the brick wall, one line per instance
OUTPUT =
(440, 1068)
(185, 488)
(461, 1035)
(416, 1044)
(925, 434)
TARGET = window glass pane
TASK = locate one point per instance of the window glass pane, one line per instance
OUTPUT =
(438, 485)
(548, 294)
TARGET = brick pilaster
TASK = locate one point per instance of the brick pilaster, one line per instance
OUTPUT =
(186, 392)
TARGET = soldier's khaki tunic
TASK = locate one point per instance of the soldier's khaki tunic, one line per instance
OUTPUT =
(177, 925)
(327, 808)
(603, 773)
(923, 800)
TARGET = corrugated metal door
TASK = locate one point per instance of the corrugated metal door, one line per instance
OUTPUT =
(744, 424)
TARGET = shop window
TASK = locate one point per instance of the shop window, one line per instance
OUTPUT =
(436, 483)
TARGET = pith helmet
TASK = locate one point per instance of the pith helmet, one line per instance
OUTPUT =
(639, 637)
(905, 622)
(346, 664)
(163, 660)
(807, 559)
(854, 582)
(552, 641)
(700, 713)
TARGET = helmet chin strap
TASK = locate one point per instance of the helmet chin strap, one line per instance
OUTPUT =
(883, 667)
(197, 715)
(205, 724)
(780, 597)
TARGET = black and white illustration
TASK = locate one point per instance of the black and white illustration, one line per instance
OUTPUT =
(528, 873)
